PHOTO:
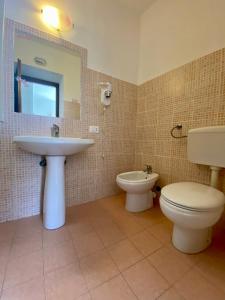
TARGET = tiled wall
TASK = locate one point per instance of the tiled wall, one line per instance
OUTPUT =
(88, 175)
(193, 95)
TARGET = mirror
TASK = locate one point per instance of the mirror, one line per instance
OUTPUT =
(47, 78)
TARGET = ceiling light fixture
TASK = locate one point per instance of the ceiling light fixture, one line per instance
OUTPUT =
(56, 19)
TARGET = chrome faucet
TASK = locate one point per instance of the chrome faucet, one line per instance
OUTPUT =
(55, 130)
(148, 169)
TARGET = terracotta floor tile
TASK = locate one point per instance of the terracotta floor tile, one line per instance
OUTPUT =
(162, 231)
(65, 283)
(212, 266)
(118, 213)
(75, 215)
(3, 264)
(87, 244)
(59, 255)
(150, 217)
(128, 225)
(168, 262)
(33, 289)
(114, 289)
(113, 203)
(86, 296)
(23, 268)
(28, 226)
(93, 211)
(53, 237)
(98, 268)
(171, 294)
(77, 230)
(100, 221)
(5, 247)
(195, 287)
(145, 242)
(110, 234)
(7, 231)
(26, 245)
(191, 259)
(145, 281)
(124, 254)
(26, 250)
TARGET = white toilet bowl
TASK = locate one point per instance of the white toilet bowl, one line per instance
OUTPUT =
(138, 185)
(193, 208)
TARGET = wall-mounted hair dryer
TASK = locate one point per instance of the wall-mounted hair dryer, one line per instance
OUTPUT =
(106, 92)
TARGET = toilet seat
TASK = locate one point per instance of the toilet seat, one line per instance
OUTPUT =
(194, 209)
(193, 196)
(184, 208)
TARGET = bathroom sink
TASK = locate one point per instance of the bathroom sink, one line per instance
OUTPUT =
(57, 146)
(55, 150)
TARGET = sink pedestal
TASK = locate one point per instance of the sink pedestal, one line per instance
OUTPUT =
(55, 149)
(54, 193)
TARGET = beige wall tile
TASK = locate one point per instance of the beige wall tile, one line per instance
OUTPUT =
(193, 95)
(20, 187)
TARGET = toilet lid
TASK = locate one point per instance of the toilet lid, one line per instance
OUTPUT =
(193, 195)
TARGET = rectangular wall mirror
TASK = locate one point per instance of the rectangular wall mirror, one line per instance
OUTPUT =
(47, 78)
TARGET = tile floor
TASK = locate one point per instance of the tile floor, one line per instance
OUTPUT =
(106, 253)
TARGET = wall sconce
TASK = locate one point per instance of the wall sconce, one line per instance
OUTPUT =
(56, 19)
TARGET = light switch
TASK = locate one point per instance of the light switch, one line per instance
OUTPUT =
(94, 129)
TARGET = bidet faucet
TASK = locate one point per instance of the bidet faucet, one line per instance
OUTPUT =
(148, 169)
(55, 130)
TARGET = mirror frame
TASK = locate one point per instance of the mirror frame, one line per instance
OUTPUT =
(12, 28)
(2, 19)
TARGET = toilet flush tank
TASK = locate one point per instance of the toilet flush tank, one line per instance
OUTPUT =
(206, 146)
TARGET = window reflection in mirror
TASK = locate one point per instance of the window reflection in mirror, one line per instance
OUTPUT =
(47, 79)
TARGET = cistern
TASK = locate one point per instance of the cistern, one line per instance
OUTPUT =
(193, 207)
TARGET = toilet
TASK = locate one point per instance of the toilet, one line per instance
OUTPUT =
(138, 185)
(193, 207)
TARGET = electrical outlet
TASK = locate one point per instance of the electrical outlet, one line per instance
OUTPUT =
(94, 129)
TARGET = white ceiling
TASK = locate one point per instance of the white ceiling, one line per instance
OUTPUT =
(138, 6)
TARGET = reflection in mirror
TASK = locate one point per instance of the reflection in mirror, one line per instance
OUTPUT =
(47, 78)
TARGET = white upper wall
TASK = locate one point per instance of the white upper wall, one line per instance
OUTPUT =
(106, 29)
(175, 32)
(172, 32)
(138, 6)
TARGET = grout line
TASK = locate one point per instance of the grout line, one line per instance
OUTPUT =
(129, 286)
(8, 259)
(145, 257)
(23, 282)
(79, 263)
(106, 249)
(43, 269)
(207, 279)
(103, 249)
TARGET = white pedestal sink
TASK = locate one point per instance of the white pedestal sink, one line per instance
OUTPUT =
(55, 149)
